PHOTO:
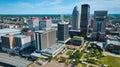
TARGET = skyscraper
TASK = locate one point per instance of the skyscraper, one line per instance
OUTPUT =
(44, 39)
(33, 24)
(76, 19)
(63, 31)
(99, 25)
(85, 15)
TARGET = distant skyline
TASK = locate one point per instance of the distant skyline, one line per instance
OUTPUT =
(56, 6)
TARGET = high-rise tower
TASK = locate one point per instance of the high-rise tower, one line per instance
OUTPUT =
(99, 25)
(76, 19)
(63, 31)
(85, 15)
(44, 39)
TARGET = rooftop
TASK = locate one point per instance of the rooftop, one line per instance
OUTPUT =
(34, 18)
(2, 31)
(78, 37)
(45, 18)
(20, 36)
(63, 22)
(53, 49)
(113, 37)
(114, 42)
(45, 31)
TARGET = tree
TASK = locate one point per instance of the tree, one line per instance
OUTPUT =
(76, 61)
(50, 58)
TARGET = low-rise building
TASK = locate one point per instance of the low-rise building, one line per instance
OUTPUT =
(77, 41)
(15, 43)
(8, 43)
(22, 41)
(7, 31)
(53, 50)
(113, 44)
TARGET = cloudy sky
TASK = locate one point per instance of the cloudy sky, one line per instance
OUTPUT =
(56, 6)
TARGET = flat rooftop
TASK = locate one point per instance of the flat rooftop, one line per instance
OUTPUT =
(53, 49)
(45, 31)
(2, 31)
(20, 36)
(38, 55)
(114, 42)
(63, 23)
(113, 37)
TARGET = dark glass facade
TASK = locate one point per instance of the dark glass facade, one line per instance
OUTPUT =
(63, 32)
(85, 14)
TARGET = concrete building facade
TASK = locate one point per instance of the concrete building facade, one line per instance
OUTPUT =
(33, 24)
(7, 31)
(44, 39)
(15, 43)
(45, 23)
(22, 41)
(99, 25)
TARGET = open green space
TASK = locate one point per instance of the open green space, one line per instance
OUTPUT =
(79, 37)
(110, 61)
(81, 65)
(69, 53)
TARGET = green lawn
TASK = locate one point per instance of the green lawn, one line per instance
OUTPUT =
(81, 65)
(111, 61)
(69, 53)
(91, 66)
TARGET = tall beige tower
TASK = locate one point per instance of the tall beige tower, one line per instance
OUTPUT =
(76, 19)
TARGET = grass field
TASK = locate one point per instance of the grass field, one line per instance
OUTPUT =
(81, 65)
(111, 61)
(69, 53)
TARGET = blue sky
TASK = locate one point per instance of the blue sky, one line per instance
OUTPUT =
(56, 6)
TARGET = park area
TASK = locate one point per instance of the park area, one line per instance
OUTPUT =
(69, 52)
(110, 61)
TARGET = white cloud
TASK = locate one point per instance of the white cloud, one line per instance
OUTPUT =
(111, 5)
(57, 6)
(56, 2)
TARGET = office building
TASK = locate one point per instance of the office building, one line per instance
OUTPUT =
(73, 33)
(2, 25)
(8, 43)
(33, 24)
(15, 43)
(99, 25)
(77, 41)
(44, 39)
(22, 41)
(85, 15)
(31, 34)
(76, 19)
(53, 50)
(6, 31)
(113, 44)
(45, 23)
(63, 31)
